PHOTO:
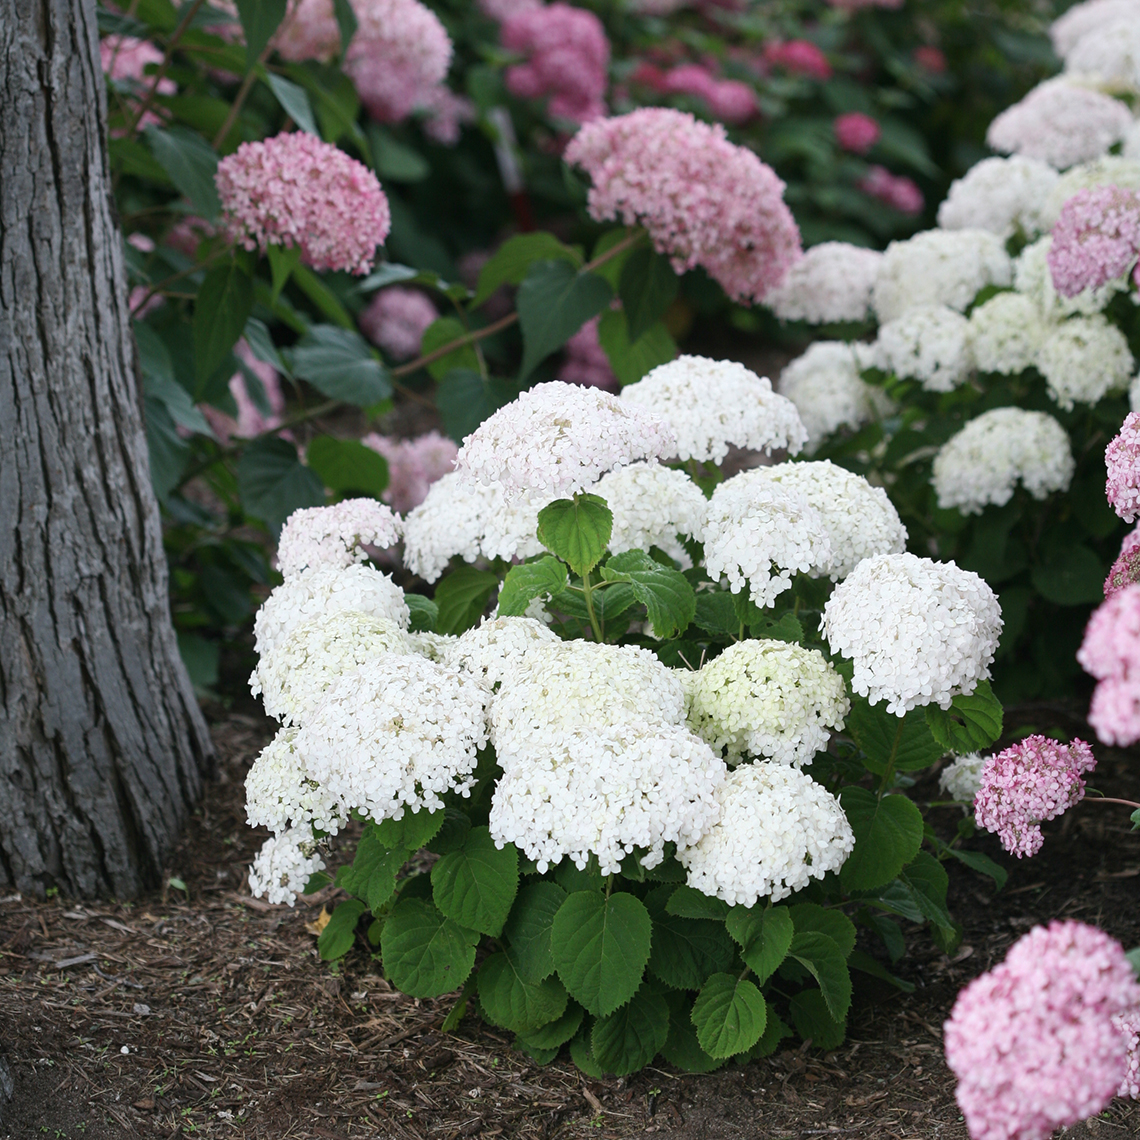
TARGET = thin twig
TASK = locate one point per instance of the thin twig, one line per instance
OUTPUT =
(239, 99)
(160, 74)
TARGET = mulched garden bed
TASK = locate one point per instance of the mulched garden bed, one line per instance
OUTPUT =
(203, 1012)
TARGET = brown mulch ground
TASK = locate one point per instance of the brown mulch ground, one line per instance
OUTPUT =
(207, 1013)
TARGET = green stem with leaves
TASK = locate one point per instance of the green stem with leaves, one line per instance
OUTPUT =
(587, 594)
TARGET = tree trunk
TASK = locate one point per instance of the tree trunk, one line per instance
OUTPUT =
(102, 745)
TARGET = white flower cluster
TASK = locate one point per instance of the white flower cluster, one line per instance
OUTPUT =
(1002, 195)
(1109, 170)
(1005, 333)
(919, 632)
(768, 699)
(1071, 27)
(283, 867)
(335, 536)
(760, 533)
(1033, 279)
(495, 647)
(982, 463)
(1110, 54)
(279, 790)
(710, 404)
(860, 520)
(930, 344)
(1131, 148)
(652, 505)
(939, 267)
(831, 282)
(828, 392)
(557, 438)
(962, 778)
(1084, 359)
(778, 830)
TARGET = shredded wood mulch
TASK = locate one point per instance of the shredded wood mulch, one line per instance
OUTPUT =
(203, 1012)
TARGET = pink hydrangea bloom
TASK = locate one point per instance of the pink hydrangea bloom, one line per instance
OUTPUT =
(1128, 1026)
(1032, 1042)
(396, 320)
(727, 99)
(1122, 459)
(1126, 569)
(800, 57)
(893, 190)
(1110, 652)
(125, 60)
(586, 361)
(1033, 780)
(335, 536)
(703, 200)
(1096, 239)
(444, 113)
(413, 466)
(930, 58)
(187, 233)
(251, 420)
(856, 132)
(568, 58)
(294, 189)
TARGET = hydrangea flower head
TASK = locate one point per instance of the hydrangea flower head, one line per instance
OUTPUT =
(653, 505)
(1071, 27)
(1033, 280)
(282, 868)
(1108, 170)
(961, 778)
(335, 536)
(702, 200)
(1122, 459)
(1033, 780)
(1110, 651)
(929, 343)
(493, 649)
(1096, 239)
(1109, 53)
(125, 60)
(856, 132)
(801, 57)
(1032, 1042)
(831, 282)
(1002, 195)
(1083, 360)
(413, 466)
(1126, 569)
(279, 792)
(396, 320)
(294, 190)
(894, 190)
(1006, 333)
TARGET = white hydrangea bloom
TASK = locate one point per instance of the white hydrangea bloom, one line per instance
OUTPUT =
(961, 779)
(396, 734)
(434, 646)
(828, 392)
(510, 523)
(651, 506)
(1109, 170)
(1060, 122)
(778, 830)
(1084, 359)
(293, 677)
(768, 698)
(1002, 195)
(559, 686)
(860, 520)
(492, 649)
(556, 439)
(1110, 53)
(335, 536)
(321, 592)
(1033, 278)
(280, 791)
(982, 463)
(919, 632)
(831, 282)
(760, 533)
(939, 267)
(930, 344)
(1068, 29)
(1006, 333)
(282, 868)
(608, 792)
(710, 404)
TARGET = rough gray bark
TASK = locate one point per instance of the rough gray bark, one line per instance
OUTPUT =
(102, 745)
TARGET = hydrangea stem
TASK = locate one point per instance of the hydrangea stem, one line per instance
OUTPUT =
(587, 593)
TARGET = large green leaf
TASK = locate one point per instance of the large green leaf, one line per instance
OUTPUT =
(347, 465)
(259, 20)
(555, 1033)
(683, 1050)
(928, 882)
(826, 962)
(600, 948)
(629, 1038)
(527, 931)
(476, 885)
(223, 305)
(554, 302)
(1072, 575)
(629, 361)
(983, 864)
(513, 1003)
(340, 931)
(426, 954)
(807, 917)
(647, 288)
(576, 530)
(442, 332)
(685, 951)
(666, 594)
(465, 400)
(511, 262)
(294, 101)
(729, 1015)
(764, 935)
(888, 834)
(529, 581)
(339, 363)
(813, 1020)
(273, 483)
(970, 724)
(715, 613)
(159, 382)
(371, 875)
(191, 163)
(688, 902)
(411, 831)
(903, 744)
(461, 597)
(167, 451)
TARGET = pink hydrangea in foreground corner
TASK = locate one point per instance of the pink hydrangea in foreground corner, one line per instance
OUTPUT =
(703, 200)
(397, 319)
(413, 466)
(1096, 239)
(293, 190)
(1126, 569)
(1033, 1043)
(1122, 458)
(335, 536)
(1111, 653)
(1033, 780)
(856, 132)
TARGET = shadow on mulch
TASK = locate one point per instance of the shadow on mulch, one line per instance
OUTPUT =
(207, 1013)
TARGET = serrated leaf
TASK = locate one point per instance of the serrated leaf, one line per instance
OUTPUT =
(729, 1015)
(554, 301)
(425, 953)
(582, 1055)
(372, 874)
(461, 597)
(688, 902)
(715, 614)
(834, 923)
(191, 163)
(814, 1022)
(630, 362)
(683, 1050)
(555, 1033)
(774, 1032)
(647, 287)
(904, 744)
(340, 931)
(629, 1038)
(928, 882)
(273, 483)
(339, 363)
(576, 530)
(970, 724)
(529, 581)
(476, 885)
(512, 1003)
(787, 628)
(347, 465)
(865, 964)
(600, 948)
(685, 951)
(511, 262)
(411, 831)
(666, 594)
(888, 834)
(528, 928)
(221, 308)
(764, 935)
(827, 963)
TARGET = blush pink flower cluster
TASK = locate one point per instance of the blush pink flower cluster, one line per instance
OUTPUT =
(252, 419)
(125, 59)
(295, 190)
(727, 99)
(586, 362)
(703, 200)
(1126, 569)
(568, 59)
(1110, 652)
(801, 57)
(396, 320)
(413, 466)
(1122, 459)
(894, 190)
(1033, 780)
(1033, 1043)
(1096, 239)
(856, 132)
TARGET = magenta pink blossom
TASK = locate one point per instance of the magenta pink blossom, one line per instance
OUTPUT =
(1096, 239)
(1033, 1043)
(293, 190)
(1031, 781)
(930, 58)
(397, 319)
(413, 466)
(567, 59)
(801, 57)
(1122, 459)
(856, 132)
(1110, 652)
(1126, 569)
(893, 190)
(586, 362)
(703, 200)
(727, 99)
